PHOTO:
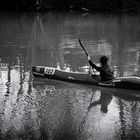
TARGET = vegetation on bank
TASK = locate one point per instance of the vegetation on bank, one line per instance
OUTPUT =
(92, 5)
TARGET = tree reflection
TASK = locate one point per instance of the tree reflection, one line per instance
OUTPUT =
(8, 83)
(128, 114)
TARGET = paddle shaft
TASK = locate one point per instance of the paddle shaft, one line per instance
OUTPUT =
(83, 47)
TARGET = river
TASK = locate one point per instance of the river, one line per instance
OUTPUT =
(51, 110)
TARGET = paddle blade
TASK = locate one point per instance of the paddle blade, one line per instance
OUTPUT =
(83, 47)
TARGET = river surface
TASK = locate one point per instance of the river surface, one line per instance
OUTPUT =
(50, 110)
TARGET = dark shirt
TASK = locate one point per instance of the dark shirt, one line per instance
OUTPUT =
(105, 71)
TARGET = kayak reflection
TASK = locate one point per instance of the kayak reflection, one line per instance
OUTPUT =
(104, 101)
(75, 111)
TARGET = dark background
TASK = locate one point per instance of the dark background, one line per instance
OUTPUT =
(91, 5)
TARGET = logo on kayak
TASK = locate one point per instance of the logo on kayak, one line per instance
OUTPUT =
(49, 71)
(71, 78)
(105, 84)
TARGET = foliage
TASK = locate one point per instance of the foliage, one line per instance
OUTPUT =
(94, 5)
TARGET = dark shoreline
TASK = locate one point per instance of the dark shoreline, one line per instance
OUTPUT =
(132, 6)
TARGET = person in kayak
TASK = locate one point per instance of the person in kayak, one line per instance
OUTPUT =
(106, 73)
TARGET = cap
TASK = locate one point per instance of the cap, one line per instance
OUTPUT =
(104, 59)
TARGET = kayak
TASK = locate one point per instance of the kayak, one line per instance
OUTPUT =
(44, 72)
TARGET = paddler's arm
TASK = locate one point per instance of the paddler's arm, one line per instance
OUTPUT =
(93, 65)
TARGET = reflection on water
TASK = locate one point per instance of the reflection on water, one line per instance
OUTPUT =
(54, 110)
(104, 101)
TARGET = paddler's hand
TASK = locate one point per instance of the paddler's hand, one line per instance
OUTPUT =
(88, 58)
(90, 70)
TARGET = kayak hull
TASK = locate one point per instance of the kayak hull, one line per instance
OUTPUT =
(85, 78)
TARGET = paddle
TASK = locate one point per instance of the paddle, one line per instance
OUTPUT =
(84, 51)
(83, 48)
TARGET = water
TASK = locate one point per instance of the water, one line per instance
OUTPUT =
(34, 109)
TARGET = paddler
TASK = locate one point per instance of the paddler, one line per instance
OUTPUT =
(106, 73)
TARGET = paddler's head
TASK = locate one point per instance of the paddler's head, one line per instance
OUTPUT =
(104, 60)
